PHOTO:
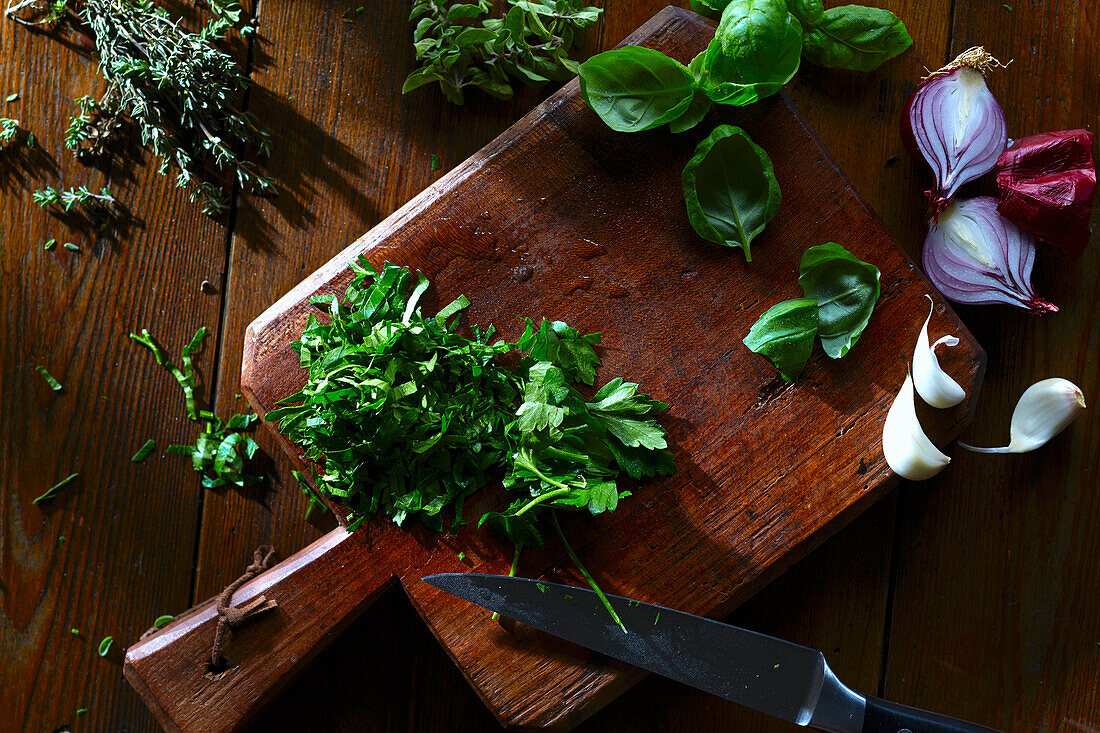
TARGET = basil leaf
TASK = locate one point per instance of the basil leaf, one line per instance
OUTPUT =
(808, 12)
(730, 189)
(785, 335)
(709, 8)
(845, 290)
(855, 37)
(634, 88)
(105, 645)
(700, 106)
(756, 50)
(162, 621)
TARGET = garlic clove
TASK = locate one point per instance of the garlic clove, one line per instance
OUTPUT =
(1045, 409)
(932, 383)
(907, 449)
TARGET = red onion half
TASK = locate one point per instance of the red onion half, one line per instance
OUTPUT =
(1047, 182)
(955, 125)
(974, 255)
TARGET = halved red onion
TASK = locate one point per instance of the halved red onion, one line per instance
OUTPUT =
(955, 125)
(1047, 182)
(974, 255)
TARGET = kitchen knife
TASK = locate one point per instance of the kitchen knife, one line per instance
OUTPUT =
(761, 672)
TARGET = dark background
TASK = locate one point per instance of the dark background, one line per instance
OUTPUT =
(973, 594)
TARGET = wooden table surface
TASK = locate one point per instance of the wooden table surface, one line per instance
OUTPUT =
(974, 594)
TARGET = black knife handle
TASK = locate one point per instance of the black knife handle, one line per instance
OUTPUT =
(882, 716)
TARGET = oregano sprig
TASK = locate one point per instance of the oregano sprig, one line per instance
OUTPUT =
(529, 44)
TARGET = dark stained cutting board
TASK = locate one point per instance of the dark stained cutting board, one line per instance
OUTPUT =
(562, 218)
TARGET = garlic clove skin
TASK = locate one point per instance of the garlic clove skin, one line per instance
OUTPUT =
(907, 449)
(1045, 409)
(932, 383)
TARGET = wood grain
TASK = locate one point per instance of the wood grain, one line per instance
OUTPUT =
(574, 253)
(105, 557)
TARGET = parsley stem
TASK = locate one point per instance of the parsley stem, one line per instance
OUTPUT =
(584, 571)
(511, 573)
(543, 497)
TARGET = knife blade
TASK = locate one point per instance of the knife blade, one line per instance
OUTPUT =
(776, 677)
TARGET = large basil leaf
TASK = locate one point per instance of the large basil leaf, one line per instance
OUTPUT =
(730, 189)
(808, 12)
(756, 50)
(700, 105)
(785, 335)
(634, 88)
(855, 37)
(845, 289)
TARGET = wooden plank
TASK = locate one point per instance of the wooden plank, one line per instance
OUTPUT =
(114, 551)
(996, 615)
(776, 518)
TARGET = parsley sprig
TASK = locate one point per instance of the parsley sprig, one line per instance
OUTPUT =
(403, 414)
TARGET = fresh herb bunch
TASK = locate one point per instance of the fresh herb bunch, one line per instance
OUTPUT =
(221, 449)
(757, 48)
(179, 89)
(530, 43)
(403, 414)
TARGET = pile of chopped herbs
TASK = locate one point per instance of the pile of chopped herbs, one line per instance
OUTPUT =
(221, 450)
(403, 414)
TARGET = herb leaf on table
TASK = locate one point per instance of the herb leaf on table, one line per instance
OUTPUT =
(634, 88)
(855, 37)
(845, 289)
(730, 189)
(757, 48)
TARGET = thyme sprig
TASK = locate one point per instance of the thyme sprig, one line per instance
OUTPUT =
(82, 197)
(530, 44)
(179, 90)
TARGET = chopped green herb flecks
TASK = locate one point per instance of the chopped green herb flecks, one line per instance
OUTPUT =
(143, 452)
(12, 97)
(81, 711)
(50, 380)
(161, 621)
(72, 247)
(404, 415)
(74, 632)
(55, 489)
(436, 165)
(50, 244)
(105, 645)
(656, 618)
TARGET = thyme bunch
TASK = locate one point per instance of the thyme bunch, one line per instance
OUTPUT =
(530, 44)
(179, 90)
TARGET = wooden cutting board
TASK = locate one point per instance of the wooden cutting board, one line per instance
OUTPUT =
(562, 218)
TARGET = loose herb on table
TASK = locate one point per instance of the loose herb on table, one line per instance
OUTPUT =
(144, 451)
(179, 89)
(105, 645)
(66, 199)
(402, 414)
(53, 491)
(730, 189)
(841, 292)
(50, 379)
(529, 44)
(221, 450)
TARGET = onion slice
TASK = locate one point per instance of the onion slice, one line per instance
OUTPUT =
(973, 255)
(954, 123)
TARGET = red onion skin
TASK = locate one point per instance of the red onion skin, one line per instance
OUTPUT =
(950, 174)
(1007, 280)
(1047, 183)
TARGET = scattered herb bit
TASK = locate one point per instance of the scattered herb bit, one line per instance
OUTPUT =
(81, 711)
(81, 197)
(61, 539)
(541, 586)
(785, 335)
(436, 165)
(12, 97)
(161, 621)
(9, 129)
(1007, 7)
(461, 556)
(401, 414)
(530, 44)
(308, 492)
(50, 380)
(730, 189)
(221, 449)
(52, 492)
(846, 290)
(656, 618)
(71, 247)
(75, 632)
(105, 645)
(180, 90)
(50, 244)
(143, 452)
